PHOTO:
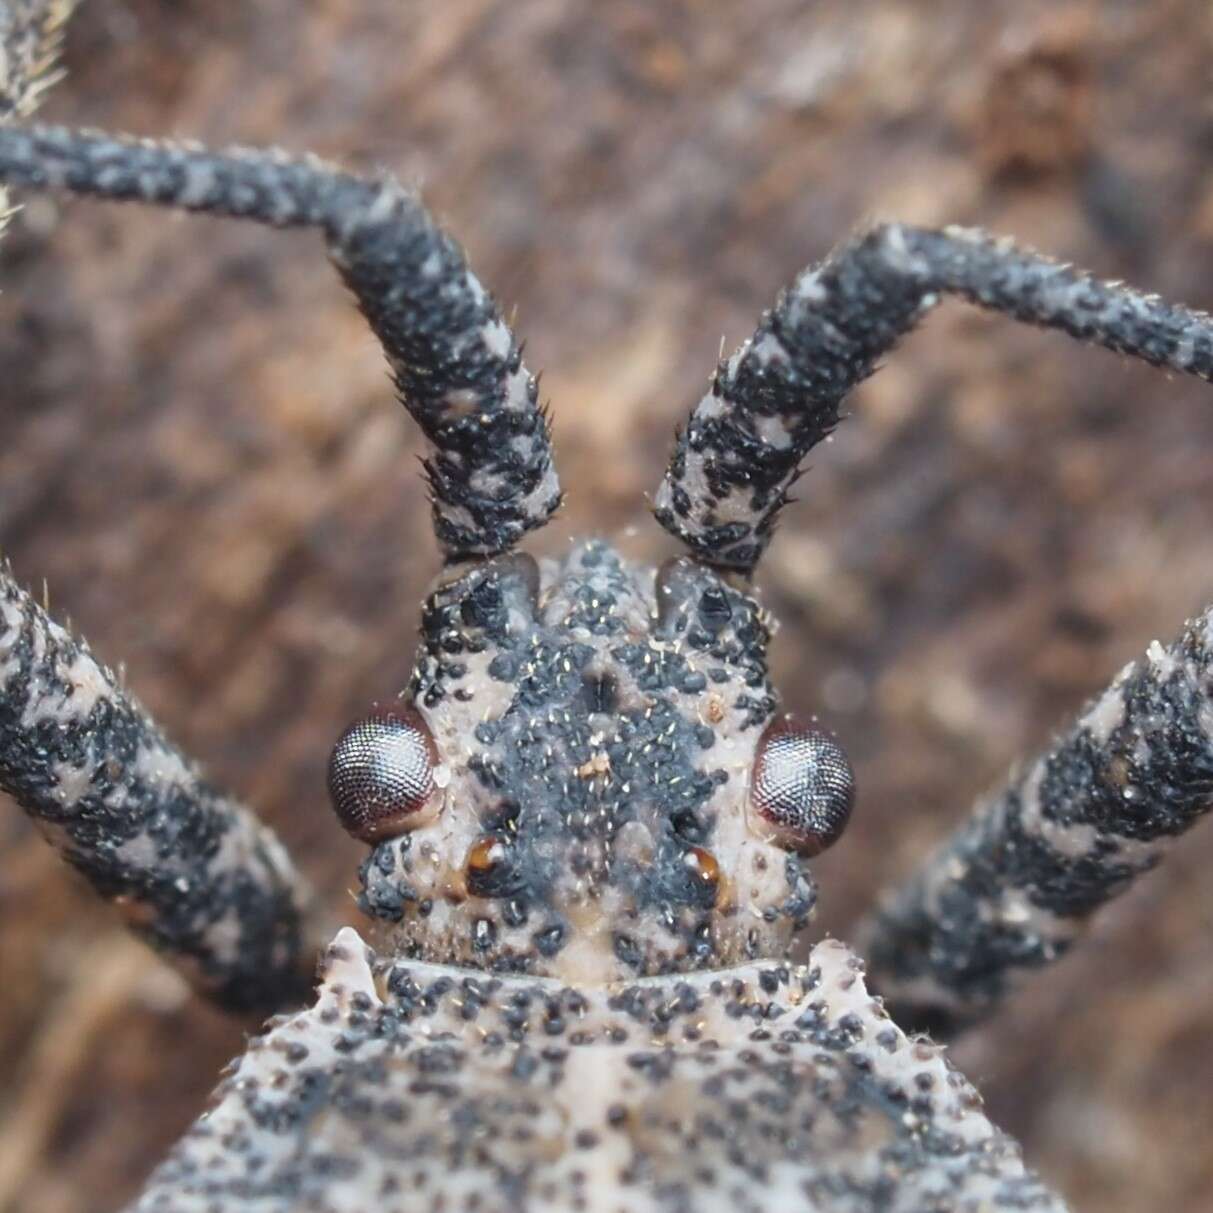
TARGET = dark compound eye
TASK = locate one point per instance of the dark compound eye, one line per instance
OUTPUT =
(803, 786)
(382, 774)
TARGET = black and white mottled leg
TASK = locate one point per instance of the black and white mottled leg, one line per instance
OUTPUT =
(780, 393)
(30, 33)
(1015, 886)
(191, 871)
(456, 363)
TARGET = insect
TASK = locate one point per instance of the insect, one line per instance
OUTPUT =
(598, 773)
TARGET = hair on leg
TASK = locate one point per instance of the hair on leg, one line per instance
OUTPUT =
(456, 364)
(780, 393)
(1017, 883)
(30, 34)
(192, 872)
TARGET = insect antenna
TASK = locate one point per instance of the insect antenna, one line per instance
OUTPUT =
(780, 393)
(454, 360)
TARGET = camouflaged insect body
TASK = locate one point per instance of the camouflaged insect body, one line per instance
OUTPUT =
(599, 722)
(765, 1088)
(587, 1023)
(593, 865)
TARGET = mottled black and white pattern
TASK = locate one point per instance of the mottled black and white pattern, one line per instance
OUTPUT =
(1016, 885)
(584, 1001)
(455, 362)
(781, 392)
(30, 33)
(763, 1089)
(599, 722)
(191, 871)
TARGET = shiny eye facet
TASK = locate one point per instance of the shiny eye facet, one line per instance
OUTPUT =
(381, 774)
(803, 786)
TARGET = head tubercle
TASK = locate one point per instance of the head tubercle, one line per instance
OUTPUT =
(588, 777)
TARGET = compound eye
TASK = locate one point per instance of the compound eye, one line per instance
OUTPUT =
(381, 774)
(803, 786)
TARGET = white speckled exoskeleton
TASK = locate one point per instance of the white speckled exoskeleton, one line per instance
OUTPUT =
(588, 820)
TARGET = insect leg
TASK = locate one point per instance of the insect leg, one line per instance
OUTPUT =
(192, 872)
(30, 33)
(1015, 885)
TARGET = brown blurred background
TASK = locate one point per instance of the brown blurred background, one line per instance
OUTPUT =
(201, 457)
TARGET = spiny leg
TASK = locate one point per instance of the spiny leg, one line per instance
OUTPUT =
(1016, 884)
(455, 362)
(780, 393)
(30, 34)
(192, 872)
